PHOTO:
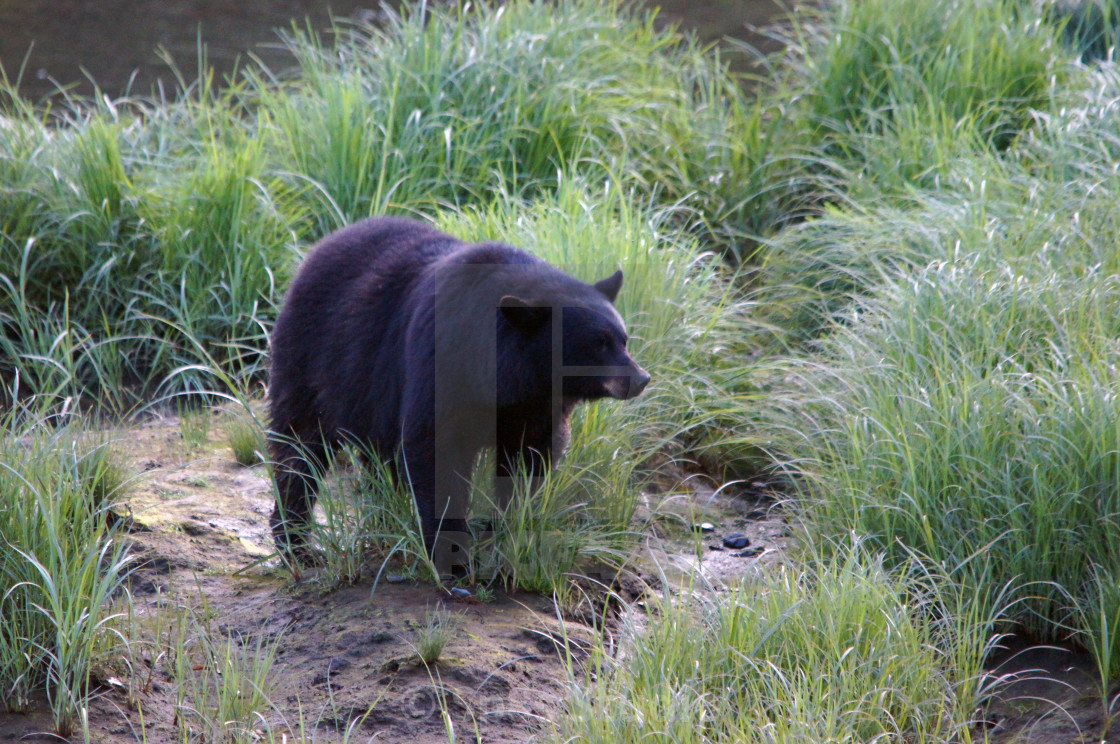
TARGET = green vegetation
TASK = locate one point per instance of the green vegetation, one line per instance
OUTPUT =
(838, 652)
(888, 274)
(60, 564)
(433, 636)
(246, 439)
(222, 683)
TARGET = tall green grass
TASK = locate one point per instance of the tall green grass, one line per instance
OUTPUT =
(963, 406)
(839, 651)
(128, 258)
(894, 91)
(143, 241)
(448, 108)
(970, 415)
(60, 565)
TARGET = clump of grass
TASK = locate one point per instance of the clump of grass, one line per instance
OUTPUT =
(246, 440)
(60, 567)
(963, 407)
(433, 636)
(892, 106)
(100, 248)
(969, 415)
(194, 426)
(101, 470)
(836, 651)
(369, 518)
(448, 104)
(1096, 613)
(222, 683)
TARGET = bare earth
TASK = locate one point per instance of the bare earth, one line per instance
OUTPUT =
(346, 668)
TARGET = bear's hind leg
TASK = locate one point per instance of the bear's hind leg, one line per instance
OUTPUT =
(295, 461)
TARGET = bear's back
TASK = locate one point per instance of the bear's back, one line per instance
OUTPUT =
(337, 345)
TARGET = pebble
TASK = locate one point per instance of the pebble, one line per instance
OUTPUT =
(704, 527)
(736, 541)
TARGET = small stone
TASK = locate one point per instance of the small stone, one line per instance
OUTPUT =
(337, 664)
(704, 527)
(715, 547)
(748, 553)
(459, 592)
(736, 541)
(395, 578)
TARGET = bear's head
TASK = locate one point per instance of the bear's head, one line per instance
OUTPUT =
(591, 338)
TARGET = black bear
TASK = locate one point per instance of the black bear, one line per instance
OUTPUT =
(399, 337)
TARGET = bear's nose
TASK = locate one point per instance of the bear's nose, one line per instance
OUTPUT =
(639, 378)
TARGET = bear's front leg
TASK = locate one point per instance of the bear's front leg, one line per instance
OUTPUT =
(515, 461)
(439, 466)
(530, 440)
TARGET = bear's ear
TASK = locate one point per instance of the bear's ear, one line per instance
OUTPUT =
(610, 286)
(522, 315)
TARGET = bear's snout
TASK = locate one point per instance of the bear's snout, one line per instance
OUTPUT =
(638, 381)
(626, 385)
(634, 383)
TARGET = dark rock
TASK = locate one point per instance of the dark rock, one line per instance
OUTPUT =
(748, 553)
(736, 541)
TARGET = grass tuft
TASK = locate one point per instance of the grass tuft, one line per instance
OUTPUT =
(62, 564)
(840, 651)
(433, 636)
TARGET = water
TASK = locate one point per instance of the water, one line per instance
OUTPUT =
(117, 42)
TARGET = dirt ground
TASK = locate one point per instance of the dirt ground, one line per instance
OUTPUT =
(345, 668)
